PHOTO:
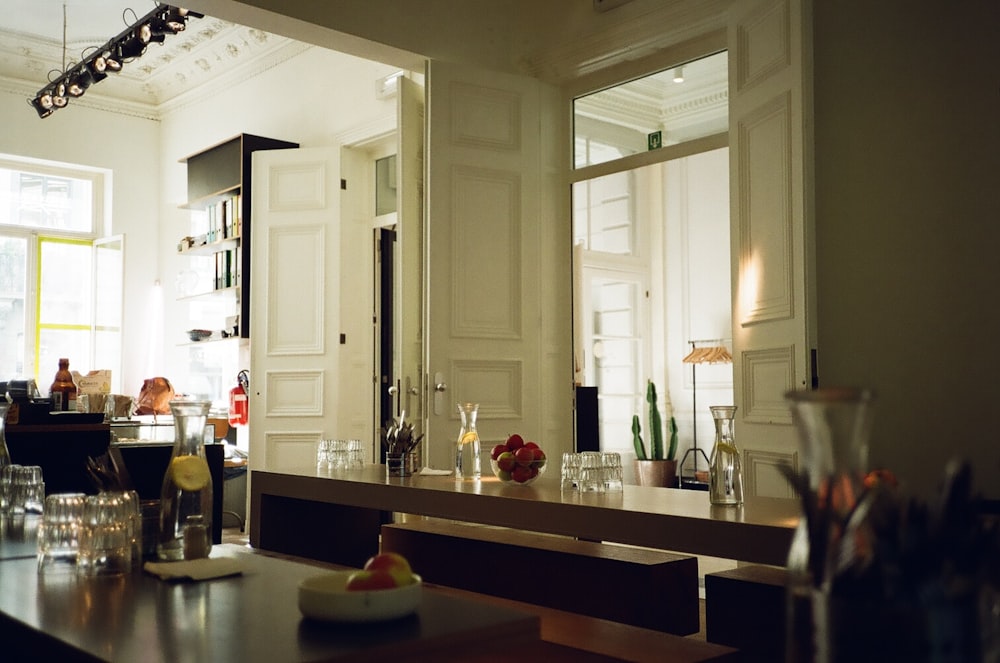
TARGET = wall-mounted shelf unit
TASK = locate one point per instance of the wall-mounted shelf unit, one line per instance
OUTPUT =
(219, 195)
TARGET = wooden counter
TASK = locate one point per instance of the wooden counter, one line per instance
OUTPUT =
(668, 519)
(251, 617)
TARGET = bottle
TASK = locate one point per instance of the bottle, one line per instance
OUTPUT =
(186, 496)
(468, 463)
(725, 475)
(63, 389)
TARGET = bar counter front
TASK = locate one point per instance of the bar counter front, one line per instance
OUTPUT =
(336, 516)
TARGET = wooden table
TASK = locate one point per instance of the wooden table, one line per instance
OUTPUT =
(347, 504)
(251, 617)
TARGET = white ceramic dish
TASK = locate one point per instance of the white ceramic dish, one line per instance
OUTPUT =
(324, 597)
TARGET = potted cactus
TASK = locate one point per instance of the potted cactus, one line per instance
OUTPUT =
(659, 466)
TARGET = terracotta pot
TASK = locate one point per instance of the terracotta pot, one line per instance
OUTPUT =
(656, 473)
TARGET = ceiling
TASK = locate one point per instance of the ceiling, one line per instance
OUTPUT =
(32, 50)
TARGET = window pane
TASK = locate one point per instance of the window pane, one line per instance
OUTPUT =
(46, 202)
(603, 213)
(13, 266)
(56, 343)
(682, 103)
(65, 278)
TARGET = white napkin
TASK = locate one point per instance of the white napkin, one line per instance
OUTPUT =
(430, 471)
(195, 569)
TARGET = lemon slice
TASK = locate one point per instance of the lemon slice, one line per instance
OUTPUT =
(728, 448)
(190, 472)
(467, 438)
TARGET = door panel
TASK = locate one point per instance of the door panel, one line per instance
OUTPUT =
(770, 216)
(294, 353)
(498, 279)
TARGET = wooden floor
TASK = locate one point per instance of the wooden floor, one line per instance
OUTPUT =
(235, 536)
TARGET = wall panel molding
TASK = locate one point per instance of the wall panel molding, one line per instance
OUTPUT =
(762, 476)
(497, 385)
(767, 375)
(765, 141)
(763, 45)
(296, 393)
(296, 313)
(485, 117)
(486, 253)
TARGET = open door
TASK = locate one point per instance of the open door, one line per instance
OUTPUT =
(498, 261)
(771, 216)
(295, 285)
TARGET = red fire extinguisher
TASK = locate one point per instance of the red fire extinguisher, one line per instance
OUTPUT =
(239, 412)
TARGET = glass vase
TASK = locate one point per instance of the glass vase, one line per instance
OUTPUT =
(186, 498)
(468, 461)
(725, 474)
(833, 427)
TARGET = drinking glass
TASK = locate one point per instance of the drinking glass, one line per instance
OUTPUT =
(59, 532)
(105, 544)
(27, 490)
(591, 472)
(570, 470)
(611, 464)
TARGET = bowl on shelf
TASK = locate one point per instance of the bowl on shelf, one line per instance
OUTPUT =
(520, 474)
(325, 597)
(198, 334)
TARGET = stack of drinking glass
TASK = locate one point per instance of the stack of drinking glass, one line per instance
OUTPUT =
(339, 455)
(21, 489)
(91, 535)
(592, 471)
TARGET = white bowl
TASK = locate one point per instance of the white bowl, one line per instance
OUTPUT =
(325, 597)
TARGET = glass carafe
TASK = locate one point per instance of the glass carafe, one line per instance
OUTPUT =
(186, 497)
(725, 474)
(468, 463)
(833, 429)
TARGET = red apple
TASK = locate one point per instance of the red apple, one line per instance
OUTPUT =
(392, 563)
(530, 445)
(506, 461)
(524, 456)
(523, 473)
(539, 459)
(515, 442)
(497, 450)
(361, 581)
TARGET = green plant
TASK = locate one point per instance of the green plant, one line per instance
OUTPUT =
(656, 451)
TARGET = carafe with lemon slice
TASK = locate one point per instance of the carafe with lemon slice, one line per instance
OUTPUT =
(725, 475)
(186, 497)
(468, 463)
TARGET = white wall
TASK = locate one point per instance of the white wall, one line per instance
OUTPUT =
(128, 147)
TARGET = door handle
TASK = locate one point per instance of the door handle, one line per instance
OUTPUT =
(392, 390)
(439, 388)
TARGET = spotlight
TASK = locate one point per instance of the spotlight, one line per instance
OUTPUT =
(679, 75)
(98, 68)
(132, 47)
(42, 104)
(59, 99)
(112, 61)
(169, 22)
(79, 81)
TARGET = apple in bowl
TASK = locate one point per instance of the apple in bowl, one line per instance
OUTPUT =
(387, 590)
(517, 460)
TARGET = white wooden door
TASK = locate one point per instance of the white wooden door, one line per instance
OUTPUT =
(498, 261)
(771, 216)
(295, 289)
(409, 273)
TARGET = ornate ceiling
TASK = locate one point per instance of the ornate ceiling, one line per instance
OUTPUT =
(31, 49)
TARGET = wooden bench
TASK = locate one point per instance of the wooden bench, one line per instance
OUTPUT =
(745, 608)
(650, 589)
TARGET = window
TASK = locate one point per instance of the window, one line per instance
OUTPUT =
(650, 226)
(60, 286)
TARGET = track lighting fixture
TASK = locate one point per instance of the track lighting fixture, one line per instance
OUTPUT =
(131, 43)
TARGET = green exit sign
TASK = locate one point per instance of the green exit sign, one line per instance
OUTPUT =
(654, 140)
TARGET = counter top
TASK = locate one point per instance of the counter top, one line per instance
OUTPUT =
(669, 519)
